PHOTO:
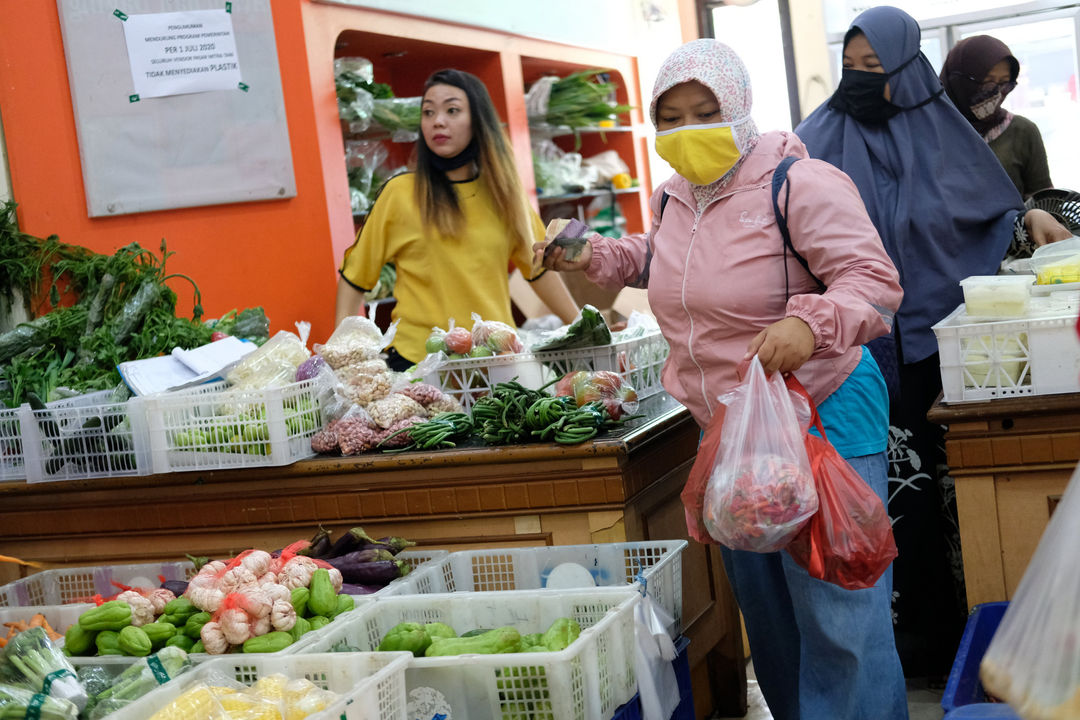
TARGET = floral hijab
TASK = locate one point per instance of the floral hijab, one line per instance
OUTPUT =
(717, 67)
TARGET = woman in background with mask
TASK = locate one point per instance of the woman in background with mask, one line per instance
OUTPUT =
(978, 74)
(945, 209)
(723, 287)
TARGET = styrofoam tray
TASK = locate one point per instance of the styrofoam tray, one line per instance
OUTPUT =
(371, 685)
(654, 567)
(586, 681)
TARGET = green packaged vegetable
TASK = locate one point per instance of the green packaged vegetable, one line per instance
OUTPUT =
(32, 662)
(142, 677)
(17, 703)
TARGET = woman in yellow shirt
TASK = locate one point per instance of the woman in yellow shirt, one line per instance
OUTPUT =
(452, 227)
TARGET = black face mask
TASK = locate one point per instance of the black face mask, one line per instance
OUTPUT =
(861, 95)
(466, 156)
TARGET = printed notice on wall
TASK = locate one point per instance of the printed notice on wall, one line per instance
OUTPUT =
(182, 52)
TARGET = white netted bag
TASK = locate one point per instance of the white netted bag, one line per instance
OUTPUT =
(1033, 661)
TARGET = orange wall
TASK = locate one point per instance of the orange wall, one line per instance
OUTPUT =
(281, 254)
(276, 253)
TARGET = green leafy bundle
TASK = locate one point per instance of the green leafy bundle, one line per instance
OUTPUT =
(583, 99)
(123, 310)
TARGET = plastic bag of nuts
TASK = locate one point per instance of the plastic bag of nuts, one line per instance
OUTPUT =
(394, 407)
(355, 340)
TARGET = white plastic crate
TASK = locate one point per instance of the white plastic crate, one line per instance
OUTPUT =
(638, 361)
(60, 617)
(371, 685)
(213, 427)
(654, 567)
(1030, 356)
(12, 457)
(71, 585)
(87, 436)
(586, 681)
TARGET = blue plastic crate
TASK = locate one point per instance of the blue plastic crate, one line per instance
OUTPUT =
(964, 690)
(685, 710)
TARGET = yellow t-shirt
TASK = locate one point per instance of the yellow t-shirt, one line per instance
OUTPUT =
(439, 277)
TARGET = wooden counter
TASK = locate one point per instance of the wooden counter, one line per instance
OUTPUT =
(1011, 460)
(622, 487)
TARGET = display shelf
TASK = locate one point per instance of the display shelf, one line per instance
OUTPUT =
(599, 192)
(554, 131)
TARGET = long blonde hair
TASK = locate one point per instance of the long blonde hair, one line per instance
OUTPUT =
(435, 192)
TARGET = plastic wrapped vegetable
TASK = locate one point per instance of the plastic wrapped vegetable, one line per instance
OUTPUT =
(17, 703)
(31, 661)
(142, 677)
(274, 364)
(589, 329)
(602, 386)
(761, 491)
(497, 336)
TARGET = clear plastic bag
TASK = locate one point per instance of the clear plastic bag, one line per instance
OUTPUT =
(1056, 263)
(760, 492)
(362, 159)
(1032, 662)
(139, 679)
(498, 337)
(355, 340)
(272, 365)
(603, 386)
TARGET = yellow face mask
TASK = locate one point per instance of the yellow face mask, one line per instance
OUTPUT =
(700, 153)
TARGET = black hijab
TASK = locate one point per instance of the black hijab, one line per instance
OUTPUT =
(963, 73)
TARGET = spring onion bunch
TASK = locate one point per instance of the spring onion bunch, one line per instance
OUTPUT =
(583, 99)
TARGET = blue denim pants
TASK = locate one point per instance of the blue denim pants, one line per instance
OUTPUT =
(820, 652)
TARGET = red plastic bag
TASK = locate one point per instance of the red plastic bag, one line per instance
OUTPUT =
(849, 541)
(760, 490)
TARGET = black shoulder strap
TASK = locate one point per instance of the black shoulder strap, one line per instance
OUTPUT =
(778, 178)
(642, 280)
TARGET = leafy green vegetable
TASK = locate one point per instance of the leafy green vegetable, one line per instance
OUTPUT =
(397, 113)
(583, 99)
(250, 324)
(123, 310)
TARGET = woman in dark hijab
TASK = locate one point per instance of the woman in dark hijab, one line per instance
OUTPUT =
(945, 209)
(978, 74)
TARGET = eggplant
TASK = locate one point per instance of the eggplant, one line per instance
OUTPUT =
(349, 541)
(360, 557)
(397, 543)
(176, 587)
(320, 545)
(378, 572)
(351, 589)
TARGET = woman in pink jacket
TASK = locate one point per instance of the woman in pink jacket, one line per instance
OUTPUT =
(723, 287)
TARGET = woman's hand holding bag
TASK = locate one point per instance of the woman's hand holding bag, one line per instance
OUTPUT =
(760, 491)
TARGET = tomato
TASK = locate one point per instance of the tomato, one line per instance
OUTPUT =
(459, 340)
(218, 335)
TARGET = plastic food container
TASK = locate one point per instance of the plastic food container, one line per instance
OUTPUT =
(997, 296)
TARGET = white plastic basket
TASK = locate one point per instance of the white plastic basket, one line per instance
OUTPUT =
(88, 436)
(638, 361)
(213, 427)
(12, 457)
(60, 617)
(371, 685)
(653, 567)
(71, 585)
(1028, 356)
(586, 681)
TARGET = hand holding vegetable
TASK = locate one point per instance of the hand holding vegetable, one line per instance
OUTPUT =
(783, 346)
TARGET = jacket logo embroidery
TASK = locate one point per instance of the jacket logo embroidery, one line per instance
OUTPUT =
(746, 221)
